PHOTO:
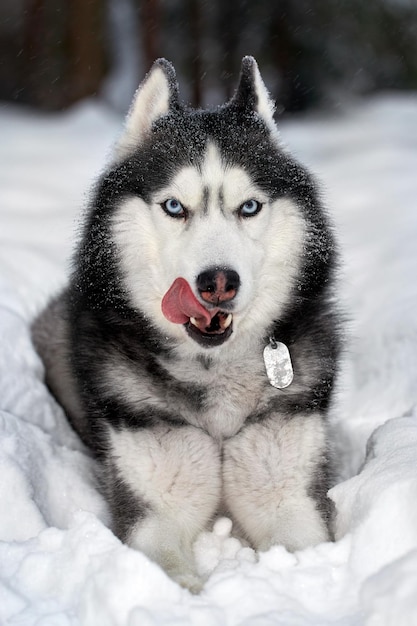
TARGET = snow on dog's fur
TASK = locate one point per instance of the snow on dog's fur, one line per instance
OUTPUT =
(204, 242)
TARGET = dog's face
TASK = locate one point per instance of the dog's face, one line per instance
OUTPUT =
(210, 246)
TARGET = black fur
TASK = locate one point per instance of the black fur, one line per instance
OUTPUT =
(126, 508)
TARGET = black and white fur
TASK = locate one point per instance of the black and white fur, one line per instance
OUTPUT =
(186, 430)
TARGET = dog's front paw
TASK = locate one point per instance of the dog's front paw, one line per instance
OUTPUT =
(182, 569)
(188, 580)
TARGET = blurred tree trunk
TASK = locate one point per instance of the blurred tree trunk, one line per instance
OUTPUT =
(86, 43)
(150, 20)
(54, 52)
(284, 54)
(294, 53)
(195, 21)
(232, 18)
(63, 56)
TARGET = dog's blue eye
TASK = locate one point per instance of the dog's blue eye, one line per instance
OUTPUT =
(173, 207)
(250, 208)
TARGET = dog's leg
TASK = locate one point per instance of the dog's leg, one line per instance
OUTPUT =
(50, 335)
(164, 487)
(275, 482)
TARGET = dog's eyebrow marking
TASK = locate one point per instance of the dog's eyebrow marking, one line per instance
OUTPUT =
(205, 201)
(221, 200)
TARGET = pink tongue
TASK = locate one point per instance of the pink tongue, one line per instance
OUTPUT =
(179, 304)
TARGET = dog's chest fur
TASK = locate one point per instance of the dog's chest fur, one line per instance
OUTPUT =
(216, 396)
(232, 391)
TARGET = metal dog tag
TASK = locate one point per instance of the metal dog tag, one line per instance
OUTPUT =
(278, 364)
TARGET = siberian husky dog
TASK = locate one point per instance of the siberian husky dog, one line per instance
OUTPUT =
(195, 347)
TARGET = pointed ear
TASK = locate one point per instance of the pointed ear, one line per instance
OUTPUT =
(252, 95)
(156, 95)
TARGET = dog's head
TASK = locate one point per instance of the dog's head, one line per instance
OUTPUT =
(209, 215)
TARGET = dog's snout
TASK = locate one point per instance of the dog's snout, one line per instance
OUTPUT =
(218, 285)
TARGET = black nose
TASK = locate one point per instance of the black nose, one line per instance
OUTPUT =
(218, 285)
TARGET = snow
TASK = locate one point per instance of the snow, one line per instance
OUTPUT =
(60, 564)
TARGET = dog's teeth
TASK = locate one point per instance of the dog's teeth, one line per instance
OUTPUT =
(227, 321)
(193, 321)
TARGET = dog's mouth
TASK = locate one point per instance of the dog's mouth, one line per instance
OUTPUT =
(216, 333)
(209, 328)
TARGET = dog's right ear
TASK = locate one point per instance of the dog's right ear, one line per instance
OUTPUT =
(156, 95)
(252, 95)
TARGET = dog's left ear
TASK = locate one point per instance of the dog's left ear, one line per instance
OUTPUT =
(156, 95)
(252, 95)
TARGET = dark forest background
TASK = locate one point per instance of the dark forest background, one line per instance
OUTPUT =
(311, 52)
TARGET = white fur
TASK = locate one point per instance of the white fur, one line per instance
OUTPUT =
(150, 102)
(265, 105)
(262, 481)
(234, 388)
(266, 472)
(156, 249)
(176, 472)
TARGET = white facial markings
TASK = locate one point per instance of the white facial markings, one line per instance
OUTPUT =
(156, 248)
(282, 244)
(215, 234)
(226, 187)
(139, 243)
(186, 187)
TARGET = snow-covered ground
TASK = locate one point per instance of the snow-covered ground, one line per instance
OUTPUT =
(60, 565)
